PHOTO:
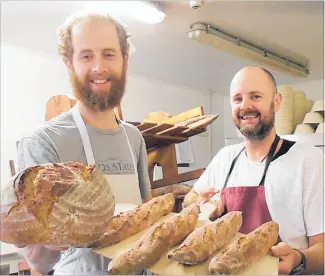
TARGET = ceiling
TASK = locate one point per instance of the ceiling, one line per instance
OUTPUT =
(164, 52)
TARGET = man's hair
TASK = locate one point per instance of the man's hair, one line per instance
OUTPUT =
(64, 46)
(271, 77)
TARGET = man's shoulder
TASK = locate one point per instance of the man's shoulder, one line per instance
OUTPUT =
(132, 130)
(307, 151)
(61, 125)
(228, 153)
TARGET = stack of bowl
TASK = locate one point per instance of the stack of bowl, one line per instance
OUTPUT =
(299, 109)
(313, 120)
(284, 120)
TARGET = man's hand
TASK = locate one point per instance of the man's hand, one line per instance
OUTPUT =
(206, 195)
(289, 258)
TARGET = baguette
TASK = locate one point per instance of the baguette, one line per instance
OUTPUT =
(175, 189)
(155, 242)
(205, 241)
(131, 222)
(246, 250)
(67, 204)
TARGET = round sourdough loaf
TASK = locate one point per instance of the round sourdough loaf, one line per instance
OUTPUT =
(66, 204)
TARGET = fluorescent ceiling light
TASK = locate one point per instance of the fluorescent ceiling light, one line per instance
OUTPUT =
(145, 11)
(206, 34)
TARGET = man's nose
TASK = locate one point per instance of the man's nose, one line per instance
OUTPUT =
(246, 103)
(99, 65)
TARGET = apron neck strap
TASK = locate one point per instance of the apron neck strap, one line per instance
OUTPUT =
(84, 135)
(269, 158)
(268, 161)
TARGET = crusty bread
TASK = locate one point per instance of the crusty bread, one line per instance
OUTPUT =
(155, 242)
(67, 204)
(131, 222)
(205, 241)
(245, 251)
(176, 189)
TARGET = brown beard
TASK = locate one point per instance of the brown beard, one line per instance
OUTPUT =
(103, 101)
(263, 127)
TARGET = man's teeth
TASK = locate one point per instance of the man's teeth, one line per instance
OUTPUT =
(99, 81)
(248, 117)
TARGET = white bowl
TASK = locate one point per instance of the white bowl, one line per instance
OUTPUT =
(313, 118)
(320, 128)
(318, 106)
(304, 129)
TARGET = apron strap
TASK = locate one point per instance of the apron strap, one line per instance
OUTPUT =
(130, 148)
(268, 161)
(232, 167)
(269, 158)
(84, 135)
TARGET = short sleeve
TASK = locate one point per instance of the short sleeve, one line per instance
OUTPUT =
(313, 194)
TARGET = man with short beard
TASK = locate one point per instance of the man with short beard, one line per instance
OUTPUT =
(268, 178)
(95, 49)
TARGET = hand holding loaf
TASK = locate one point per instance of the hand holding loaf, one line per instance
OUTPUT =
(66, 204)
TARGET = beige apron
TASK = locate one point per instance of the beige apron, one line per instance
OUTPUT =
(125, 189)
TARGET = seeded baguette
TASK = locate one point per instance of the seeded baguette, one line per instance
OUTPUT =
(205, 241)
(246, 250)
(155, 242)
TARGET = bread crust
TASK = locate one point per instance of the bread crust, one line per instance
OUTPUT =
(246, 250)
(131, 222)
(176, 189)
(64, 204)
(205, 241)
(155, 242)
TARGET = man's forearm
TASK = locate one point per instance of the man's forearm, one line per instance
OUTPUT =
(315, 259)
(40, 258)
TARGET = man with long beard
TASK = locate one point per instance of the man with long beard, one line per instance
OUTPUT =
(268, 178)
(95, 49)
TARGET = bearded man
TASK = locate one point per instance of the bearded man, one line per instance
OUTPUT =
(268, 178)
(95, 48)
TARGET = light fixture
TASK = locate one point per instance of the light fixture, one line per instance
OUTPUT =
(146, 11)
(208, 35)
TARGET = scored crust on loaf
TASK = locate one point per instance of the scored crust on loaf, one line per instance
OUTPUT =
(155, 242)
(205, 241)
(175, 189)
(245, 250)
(131, 222)
(58, 204)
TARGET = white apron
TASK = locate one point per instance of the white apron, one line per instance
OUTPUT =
(125, 189)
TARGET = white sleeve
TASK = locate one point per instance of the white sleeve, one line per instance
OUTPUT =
(209, 178)
(313, 196)
(40, 258)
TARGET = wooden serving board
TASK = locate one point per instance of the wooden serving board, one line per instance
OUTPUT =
(266, 266)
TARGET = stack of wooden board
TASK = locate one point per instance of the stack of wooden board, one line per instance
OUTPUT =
(174, 129)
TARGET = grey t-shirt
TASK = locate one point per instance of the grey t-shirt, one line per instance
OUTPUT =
(59, 140)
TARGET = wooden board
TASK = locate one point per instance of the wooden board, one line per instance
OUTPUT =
(266, 266)
(173, 131)
(157, 128)
(144, 126)
(198, 111)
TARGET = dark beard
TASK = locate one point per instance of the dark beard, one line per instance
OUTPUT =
(103, 101)
(262, 129)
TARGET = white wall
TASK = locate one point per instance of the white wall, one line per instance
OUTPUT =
(29, 79)
(217, 129)
(314, 90)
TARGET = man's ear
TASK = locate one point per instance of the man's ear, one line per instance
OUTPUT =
(277, 101)
(68, 63)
